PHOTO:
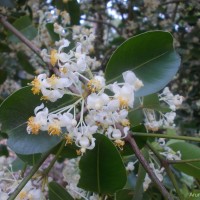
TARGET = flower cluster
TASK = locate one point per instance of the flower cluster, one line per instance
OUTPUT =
(155, 120)
(103, 110)
(10, 180)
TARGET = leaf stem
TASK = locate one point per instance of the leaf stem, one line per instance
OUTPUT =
(47, 170)
(27, 178)
(183, 161)
(144, 163)
(166, 136)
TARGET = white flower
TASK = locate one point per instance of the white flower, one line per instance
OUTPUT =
(130, 166)
(85, 143)
(130, 78)
(124, 94)
(39, 122)
(96, 102)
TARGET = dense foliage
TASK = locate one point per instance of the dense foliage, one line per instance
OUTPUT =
(104, 94)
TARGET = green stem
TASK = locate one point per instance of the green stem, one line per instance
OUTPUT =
(183, 161)
(23, 170)
(47, 170)
(165, 164)
(27, 178)
(166, 136)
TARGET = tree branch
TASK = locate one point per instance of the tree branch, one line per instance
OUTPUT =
(103, 22)
(11, 28)
(166, 165)
(144, 163)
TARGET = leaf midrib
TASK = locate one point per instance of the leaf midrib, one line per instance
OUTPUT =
(144, 63)
(51, 189)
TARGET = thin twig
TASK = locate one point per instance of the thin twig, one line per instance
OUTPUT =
(144, 163)
(103, 22)
(10, 27)
(166, 165)
(183, 161)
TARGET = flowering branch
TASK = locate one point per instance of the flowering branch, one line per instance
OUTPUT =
(144, 163)
(166, 165)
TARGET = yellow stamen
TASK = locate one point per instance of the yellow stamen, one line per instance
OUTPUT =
(68, 139)
(36, 86)
(123, 102)
(53, 57)
(22, 195)
(64, 70)
(119, 143)
(53, 79)
(45, 98)
(54, 129)
(125, 122)
(33, 126)
(94, 85)
(78, 152)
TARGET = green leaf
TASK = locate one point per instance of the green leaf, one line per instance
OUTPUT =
(3, 150)
(14, 113)
(72, 7)
(152, 102)
(30, 159)
(17, 165)
(54, 36)
(4, 48)
(150, 56)
(102, 169)
(69, 151)
(3, 76)
(23, 60)
(124, 194)
(57, 192)
(25, 26)
(188, 151)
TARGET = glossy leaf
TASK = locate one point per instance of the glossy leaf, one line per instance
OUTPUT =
(3, 150)
(25, 26)
(150, 56)
(152, 102)
(54, 36)
(124, 194)
(14, 113)
(188, 151)
(23, 60)
(102, 169)
(30, 159)
(57, 192)
(69, 151)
